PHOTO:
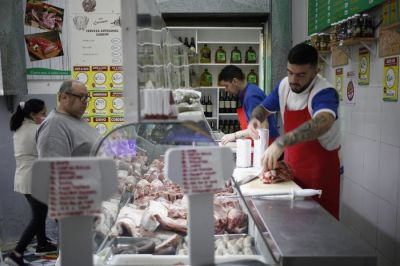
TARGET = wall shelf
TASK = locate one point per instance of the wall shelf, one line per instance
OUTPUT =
(393, 27)
(368, 43)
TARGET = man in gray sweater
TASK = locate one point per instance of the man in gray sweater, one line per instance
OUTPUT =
(64, 133)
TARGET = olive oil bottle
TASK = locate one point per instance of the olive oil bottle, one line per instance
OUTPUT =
(205, 54)
(220, 56)
(252, 77)
(206, 79)
(236, 56)
(251, 56)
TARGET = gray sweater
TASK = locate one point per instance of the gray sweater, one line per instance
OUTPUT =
(62, 135)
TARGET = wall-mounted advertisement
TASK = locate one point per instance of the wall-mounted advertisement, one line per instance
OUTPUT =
(390, 79)
(339, 80)
(350, 88)
(46, 40)
(363, 66)
(97, 59)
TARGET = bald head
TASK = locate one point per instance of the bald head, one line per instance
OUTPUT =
(72, 98)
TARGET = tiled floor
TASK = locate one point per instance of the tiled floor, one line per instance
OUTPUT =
(33, 260)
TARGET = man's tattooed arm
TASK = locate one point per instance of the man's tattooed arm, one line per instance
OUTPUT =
(260, 113)
(310, 130)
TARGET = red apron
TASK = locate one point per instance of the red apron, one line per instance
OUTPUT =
(313, 166)
(243, 123)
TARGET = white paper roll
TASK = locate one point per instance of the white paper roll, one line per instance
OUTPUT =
(243, 153)
(260, 145)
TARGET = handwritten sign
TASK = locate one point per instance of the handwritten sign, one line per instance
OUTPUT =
(200, 169)
(75, 188)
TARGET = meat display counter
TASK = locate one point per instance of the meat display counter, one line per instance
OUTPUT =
(146, 222)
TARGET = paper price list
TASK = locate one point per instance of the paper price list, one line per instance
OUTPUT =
(74, 189)
(199, 172)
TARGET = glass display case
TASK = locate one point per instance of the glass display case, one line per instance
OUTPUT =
(147, 219)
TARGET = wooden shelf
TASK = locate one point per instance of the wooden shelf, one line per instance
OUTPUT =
(320, 52)
(354, 41)
(224, 64)
(393, 26)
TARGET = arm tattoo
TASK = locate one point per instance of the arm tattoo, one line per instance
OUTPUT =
(310, 130)
(260, 113)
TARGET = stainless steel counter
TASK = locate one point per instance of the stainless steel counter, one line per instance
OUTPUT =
(306, 234)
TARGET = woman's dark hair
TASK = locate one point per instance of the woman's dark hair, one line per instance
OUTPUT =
(230, 72)
(23, 111)
(303, 54)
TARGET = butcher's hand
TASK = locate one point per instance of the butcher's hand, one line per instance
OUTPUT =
(228, 138)
(271, 156)
(252, 127)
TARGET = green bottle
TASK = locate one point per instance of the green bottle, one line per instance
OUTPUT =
(236, 56)
(205, 54)
(252, 77)
(206, 79)
(220, 56)
(251, 56)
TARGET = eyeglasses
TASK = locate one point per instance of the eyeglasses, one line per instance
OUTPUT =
(82, 98)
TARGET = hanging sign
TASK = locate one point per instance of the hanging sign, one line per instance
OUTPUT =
(391, 79)
(349, 95)
(75, 188)
(339, 82)
(363, 66)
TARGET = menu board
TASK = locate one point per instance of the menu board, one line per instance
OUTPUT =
(322, 13)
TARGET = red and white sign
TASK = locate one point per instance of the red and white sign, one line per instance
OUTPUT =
(200, 169)
(75, 188)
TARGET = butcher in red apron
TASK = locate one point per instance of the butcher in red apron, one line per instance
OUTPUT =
(308, 105)
(250, 96)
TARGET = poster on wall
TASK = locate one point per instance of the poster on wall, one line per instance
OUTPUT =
(363, 66)
(349, 88)
(339, 82)
(391, 79)
(46, 40)
(97, 59)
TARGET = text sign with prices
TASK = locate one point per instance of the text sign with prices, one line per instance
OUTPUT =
(73, 186)
(199, 169)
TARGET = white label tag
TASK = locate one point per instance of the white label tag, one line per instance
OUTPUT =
(75, 188)
(200, 169)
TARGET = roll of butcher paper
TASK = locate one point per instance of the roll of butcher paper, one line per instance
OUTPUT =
(260, 145)
(243, 153)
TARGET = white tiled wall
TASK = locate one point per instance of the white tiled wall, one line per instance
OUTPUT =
(370, 201)
(370, 196)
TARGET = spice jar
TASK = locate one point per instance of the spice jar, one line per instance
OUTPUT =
(332, 35)
(356, 26)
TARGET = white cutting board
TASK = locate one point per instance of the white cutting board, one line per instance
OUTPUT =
(257, 187)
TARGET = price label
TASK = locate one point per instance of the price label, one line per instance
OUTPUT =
(74, 188)
(199, 170)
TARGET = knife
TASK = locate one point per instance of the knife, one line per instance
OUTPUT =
(247, 179)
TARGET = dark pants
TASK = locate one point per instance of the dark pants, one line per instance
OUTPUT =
(36, 227)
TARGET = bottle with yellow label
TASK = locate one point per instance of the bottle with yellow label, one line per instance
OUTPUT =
(220, 55)
(206, 79)
(205, 54)
(252, 77)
